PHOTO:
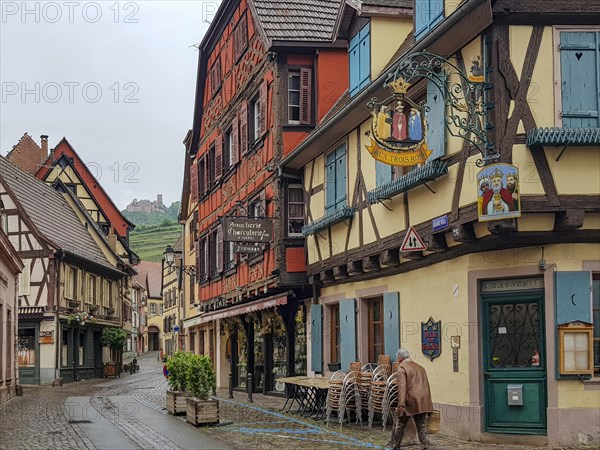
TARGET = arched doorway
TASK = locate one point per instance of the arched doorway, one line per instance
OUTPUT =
(153, 338)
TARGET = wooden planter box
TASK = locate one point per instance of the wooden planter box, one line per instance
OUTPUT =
(176, 402)
(111, 370)
(202, 412)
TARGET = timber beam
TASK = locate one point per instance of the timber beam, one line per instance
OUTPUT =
(327, 276)
(371, 263)
(464, 233)
(437, 243)
(502, 226)
(340, 272)
(568, 220)
(412, 255)
(389, 257)
(355, 268)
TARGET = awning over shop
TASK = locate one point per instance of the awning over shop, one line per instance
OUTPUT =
(31, 312)
(269, 302)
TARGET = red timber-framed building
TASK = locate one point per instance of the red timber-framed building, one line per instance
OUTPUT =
(262, 87)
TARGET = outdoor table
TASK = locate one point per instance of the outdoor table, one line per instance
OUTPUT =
(309, 393)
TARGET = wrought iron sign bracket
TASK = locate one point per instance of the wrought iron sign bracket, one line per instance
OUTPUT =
(467, 107)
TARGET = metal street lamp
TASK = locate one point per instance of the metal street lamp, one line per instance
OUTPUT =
(169, 255)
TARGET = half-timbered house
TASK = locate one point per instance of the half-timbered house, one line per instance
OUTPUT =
(10, 268)
(499, 301)
(72, 284)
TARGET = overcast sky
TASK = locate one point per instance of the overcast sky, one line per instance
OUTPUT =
(117, 79)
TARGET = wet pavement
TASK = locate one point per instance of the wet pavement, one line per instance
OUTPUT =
(129, 413)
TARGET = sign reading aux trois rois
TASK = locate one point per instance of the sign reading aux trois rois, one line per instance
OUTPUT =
(398, 129)
(237, 229)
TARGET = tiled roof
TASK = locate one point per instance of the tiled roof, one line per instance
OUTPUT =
(51, 214)
(150, 272)
(297, 20)
(389, 3)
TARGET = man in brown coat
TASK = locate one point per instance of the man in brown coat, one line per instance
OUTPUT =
(414, 399)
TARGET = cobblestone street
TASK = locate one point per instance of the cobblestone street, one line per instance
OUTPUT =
(129, 413)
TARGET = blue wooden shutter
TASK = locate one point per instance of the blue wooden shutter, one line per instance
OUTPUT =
(391, 323)
(340, 177)
(316, 336)
(354, 60)
(579, 67)
(436, 12)
(383, 173)
(436, 129)
(364, 56)
(330, 182)
(347, 333)
(573, 297)
(421, 16)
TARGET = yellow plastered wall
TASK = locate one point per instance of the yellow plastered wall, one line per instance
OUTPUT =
(387, 34)
(189, 259)
(576, 172)
(571, 394)
(540, 96)
(529, 179)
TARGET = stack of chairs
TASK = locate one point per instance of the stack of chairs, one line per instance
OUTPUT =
(377, 394)
(351, 399)
(334, 395)
(390, 399)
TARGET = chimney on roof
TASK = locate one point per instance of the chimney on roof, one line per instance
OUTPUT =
(44, 138)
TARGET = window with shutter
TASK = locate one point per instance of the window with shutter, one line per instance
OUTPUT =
(227, 163)
(202, 178)
(218, 158)
(215, 77)
(579, 71)
(293, 97)
(305, 96)
(235, 144)
(436, 121)
(240, 37)
(198, 259)
(295, 210)
(194, 181)
(264, 100)
(359, 55)
(243, 121)
(335, 168)
(212, 254)
(219, 245)
(210, 167)
(255, 119)
(428, 13)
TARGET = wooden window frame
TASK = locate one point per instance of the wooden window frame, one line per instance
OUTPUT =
(595, 277)
(306, 91)
(255, 117)
(371, 324)
(228, 150)
(214, 76)
(589, 331)
(556, 30)
(299, 186)
(240, 37)
(334, 333)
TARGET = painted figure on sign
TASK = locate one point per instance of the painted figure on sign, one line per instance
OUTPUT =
(414, 399)
(476, 70)
(399, 123)
(498, 199)
(415, 126)
(384, 128)
(511, 185)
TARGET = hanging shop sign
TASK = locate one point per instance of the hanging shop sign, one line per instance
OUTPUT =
(247, 248)
(498, 192)
(431, 342)
(398, 129)
(238, 229)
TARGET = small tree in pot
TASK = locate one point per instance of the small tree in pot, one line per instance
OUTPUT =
(114, 339)
(177, 379)
(201, 381)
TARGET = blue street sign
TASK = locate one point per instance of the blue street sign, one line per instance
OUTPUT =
(176, 328)
(439, 223)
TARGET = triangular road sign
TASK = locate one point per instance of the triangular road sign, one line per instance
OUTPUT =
(412, 242)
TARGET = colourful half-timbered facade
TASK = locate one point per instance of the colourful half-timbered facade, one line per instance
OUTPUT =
(489, 296)
(72, 284)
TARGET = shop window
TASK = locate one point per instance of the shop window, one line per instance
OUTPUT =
(300, 342)
(334, 333)
(336, 189)
(375, 324)
(279, 340)
(295, 211)
(579, 89)
(259, 359)
(428, 13)
(359, 50)
(242, 358)
(81, 348)
(596, 313)
(64, 350)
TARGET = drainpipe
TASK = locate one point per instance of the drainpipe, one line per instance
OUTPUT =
(362, 98)
(58, 257)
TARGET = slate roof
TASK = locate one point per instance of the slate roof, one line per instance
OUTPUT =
(298, 20)
(51, 214)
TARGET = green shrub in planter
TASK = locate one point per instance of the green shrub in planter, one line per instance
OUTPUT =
(201, 378)
(177, 365)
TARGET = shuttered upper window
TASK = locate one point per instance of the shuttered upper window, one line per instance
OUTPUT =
(428, 13)
(299, 111)
(359, 51)
(240, 38)
(579, 79)
(335, 169)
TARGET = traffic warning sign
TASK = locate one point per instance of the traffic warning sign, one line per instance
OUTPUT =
(412, 242)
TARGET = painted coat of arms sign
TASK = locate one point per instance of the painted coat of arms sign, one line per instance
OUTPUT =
(431, 342)
(398, 129)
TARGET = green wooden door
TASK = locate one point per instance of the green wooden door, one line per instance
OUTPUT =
(514, 363)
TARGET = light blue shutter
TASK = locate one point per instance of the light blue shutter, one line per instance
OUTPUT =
(330, 182)
(436, 12)
(579, 67)
(316, 336)
(365, 56)
(354, 60)
(421, 17)
(383, 173)
(391, 323)
(347, 333)
(573, 297)
(436, 129)
(340, 177)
